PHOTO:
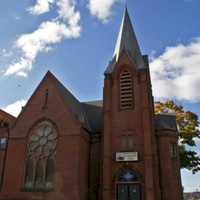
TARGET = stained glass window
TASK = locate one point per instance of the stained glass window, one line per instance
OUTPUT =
(41, 152)
(128, 176)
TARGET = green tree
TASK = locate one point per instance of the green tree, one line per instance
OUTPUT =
(188, 131)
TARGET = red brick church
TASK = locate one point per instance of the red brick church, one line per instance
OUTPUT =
(59, 148)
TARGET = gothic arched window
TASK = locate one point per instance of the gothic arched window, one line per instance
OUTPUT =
(128, 176)
(41, 152)
(126, 96)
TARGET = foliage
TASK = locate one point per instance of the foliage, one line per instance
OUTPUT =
(188, 123)
(189, 159)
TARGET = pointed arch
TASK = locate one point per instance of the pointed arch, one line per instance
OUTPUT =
(41, 152)
(126, 90)
(39, 174)
(42, 119)
(125, 167)
(128, 175)
(28, 182)
(50, 172)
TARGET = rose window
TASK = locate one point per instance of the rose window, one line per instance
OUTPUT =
(42, 140)
(40, 160)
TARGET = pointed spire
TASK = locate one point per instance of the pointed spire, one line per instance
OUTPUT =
(127, 39)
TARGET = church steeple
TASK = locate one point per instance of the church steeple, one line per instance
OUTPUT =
(127, 39)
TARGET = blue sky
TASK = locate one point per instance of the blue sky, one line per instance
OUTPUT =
(76, 39)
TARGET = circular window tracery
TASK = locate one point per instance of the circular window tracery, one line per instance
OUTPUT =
(42, 140)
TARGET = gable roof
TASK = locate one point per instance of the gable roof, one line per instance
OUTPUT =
(72, 102)
(93, 112)
(5, 118)
(88, 113)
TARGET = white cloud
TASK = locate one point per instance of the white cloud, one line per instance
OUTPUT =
(176, 73)
(64, 26)
(66, 11)
(6, 54)
(20, 68)
(41, 6)
(15, 108)
(48, 33)
(101, 10)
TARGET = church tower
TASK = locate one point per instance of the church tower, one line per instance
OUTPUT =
(62, 148)
(130, 169)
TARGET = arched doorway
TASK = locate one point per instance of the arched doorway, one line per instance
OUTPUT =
(128, 185)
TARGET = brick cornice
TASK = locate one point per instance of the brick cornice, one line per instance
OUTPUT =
(166, 134)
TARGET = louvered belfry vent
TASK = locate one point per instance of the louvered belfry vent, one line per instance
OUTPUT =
(126, 90)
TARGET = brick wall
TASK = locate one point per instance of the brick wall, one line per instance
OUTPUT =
(169, 166)
(137, 121)
(72, 155)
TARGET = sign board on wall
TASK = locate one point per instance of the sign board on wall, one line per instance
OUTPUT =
(126, 156)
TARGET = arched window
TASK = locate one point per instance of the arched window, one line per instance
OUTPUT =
(41, 151)
(126, 96)
(128, 176)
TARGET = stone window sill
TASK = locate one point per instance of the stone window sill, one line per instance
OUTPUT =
(37, 189)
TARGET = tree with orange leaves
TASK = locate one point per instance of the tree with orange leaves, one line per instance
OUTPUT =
(188, 131)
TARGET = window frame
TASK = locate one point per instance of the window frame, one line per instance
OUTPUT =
(172, 149)
(38, 168)
(125, 89)
(127, 142)
(3, 144)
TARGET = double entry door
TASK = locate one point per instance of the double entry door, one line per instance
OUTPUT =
(128, 191)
